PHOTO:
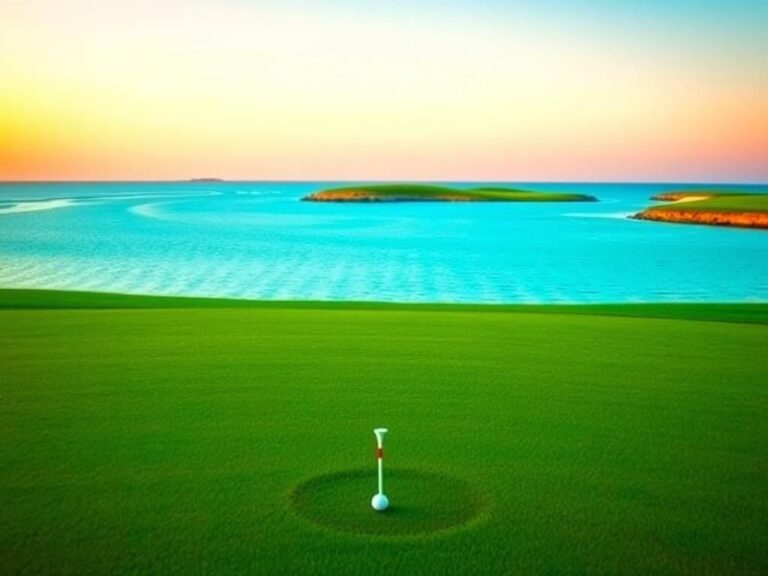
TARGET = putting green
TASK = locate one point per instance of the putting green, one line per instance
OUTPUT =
(183, 436)
(422, 503)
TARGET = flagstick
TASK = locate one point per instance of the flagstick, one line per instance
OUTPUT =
(380, 501)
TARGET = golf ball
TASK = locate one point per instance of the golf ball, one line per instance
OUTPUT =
(379, 502)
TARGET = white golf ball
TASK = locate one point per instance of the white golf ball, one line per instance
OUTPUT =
(379, 502)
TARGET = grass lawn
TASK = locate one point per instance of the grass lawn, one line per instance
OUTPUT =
(718, 201)
(432, 192)
(144, 435)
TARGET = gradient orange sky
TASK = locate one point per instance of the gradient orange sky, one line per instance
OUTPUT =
(454, 90)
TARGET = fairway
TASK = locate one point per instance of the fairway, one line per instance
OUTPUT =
(201, 438)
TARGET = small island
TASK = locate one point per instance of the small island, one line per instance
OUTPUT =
(433, 193)
(712, 207)
(206, 179)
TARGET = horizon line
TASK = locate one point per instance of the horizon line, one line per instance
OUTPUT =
(214, 180)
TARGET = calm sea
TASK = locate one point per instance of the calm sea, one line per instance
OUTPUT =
(257, 240)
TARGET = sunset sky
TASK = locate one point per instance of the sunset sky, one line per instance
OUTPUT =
(452, 90)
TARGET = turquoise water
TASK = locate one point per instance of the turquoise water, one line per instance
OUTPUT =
(257, 240)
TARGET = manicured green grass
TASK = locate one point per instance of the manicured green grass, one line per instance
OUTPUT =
(424, 503)
(18, 299)
(186, 439)
(720, 202)
(432, 192)
(729, 203)
(516, 195)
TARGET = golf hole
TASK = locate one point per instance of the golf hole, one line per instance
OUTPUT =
(421, 503)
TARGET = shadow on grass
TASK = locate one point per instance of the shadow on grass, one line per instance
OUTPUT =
(421, 503)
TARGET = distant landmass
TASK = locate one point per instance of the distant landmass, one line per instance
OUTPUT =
(206, 180)
(430, 193)
(714, 207)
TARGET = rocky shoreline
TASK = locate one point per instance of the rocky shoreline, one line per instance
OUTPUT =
(710, 217)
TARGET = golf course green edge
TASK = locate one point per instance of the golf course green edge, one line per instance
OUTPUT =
(33, 299)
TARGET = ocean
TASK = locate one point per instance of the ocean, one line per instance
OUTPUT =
(257, 240)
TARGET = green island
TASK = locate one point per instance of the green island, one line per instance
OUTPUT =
(713, 207)
(432, 193)
(182, 435)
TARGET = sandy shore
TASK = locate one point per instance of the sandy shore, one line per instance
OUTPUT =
(690, 199)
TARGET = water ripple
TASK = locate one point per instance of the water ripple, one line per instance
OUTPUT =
(251, 241)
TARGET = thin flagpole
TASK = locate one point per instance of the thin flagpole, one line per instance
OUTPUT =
(380, 501)
(380, 453)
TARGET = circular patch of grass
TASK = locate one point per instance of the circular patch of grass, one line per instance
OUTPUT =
(420, 503)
